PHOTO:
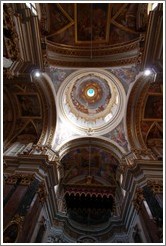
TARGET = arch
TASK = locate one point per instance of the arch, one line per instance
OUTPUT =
(101, 142)
(34, 112)
(135, 104)
(48, 97)
(154, 125)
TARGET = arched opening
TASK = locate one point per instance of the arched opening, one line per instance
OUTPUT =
(89, 184)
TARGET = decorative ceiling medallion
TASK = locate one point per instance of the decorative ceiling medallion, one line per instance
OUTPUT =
(92, 101)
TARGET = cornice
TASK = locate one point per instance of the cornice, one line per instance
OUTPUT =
(79, 51)
(93, 63)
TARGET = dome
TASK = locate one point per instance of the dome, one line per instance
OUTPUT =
(91, 101)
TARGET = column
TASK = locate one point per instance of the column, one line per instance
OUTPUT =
(148, 224)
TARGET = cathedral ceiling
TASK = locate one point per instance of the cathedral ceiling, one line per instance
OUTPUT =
(91, 100)
(26, 107)
(93, 31)
(152, 116)
(148, 113)
(27, 110)
(86, 161)
(110, 23)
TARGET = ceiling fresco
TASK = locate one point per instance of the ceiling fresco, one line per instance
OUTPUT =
(151, 125)
(93, 32)
(118, 135)
(58, 75)
(89, 161)
(100, 23)
(29, 105)
(90, 95)
(28, 134)
(27, 123)
(151, 129)
(154, 107)
(64, 133)
(126, 75)
(59, 18)
(91, 22)
(91, 99)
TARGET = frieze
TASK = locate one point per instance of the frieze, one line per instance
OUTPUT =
(88, 63)
(12, 179)
(39, 149)
(71, 51)
(36, 149)
(90, 190)
(144, 153)
(25, 179)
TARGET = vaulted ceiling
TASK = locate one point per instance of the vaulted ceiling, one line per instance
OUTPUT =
(109, 33)
(112, 105)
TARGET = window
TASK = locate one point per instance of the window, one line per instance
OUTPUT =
(32, 6)
(152, 6)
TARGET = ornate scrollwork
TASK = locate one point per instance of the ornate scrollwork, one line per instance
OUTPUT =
(18, 219)
(42, 192)
(10, 34)
(144, 153)
(25, 179)
(156, 186)
(138, 198)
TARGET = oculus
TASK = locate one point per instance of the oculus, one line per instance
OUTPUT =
(90, 92)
